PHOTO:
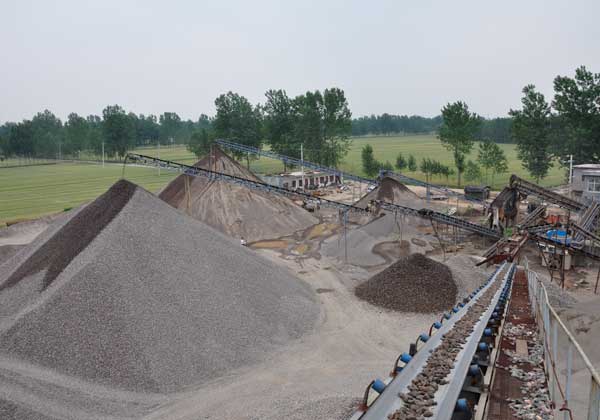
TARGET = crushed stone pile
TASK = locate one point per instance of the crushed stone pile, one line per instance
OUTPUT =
(391, 191)
(234, 209)
(412, 284)
(129, 293)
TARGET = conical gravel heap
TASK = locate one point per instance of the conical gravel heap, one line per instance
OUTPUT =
(391, 191)
(129, 293)
(234, 209)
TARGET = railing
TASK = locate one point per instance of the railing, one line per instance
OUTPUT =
(573, 382)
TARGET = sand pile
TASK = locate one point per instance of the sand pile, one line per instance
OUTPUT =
(234, 209)
(129, 293)
(412, 284)
(391, 191)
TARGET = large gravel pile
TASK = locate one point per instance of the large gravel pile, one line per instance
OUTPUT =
(391, 191)
(234, 209)
(130, 293)
(412, 284)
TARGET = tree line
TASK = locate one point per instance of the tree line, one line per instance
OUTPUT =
(550, 132)
(497, 130)
(320, 121)
(116, 131)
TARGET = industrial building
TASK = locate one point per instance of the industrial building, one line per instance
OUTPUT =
(293, 180)
(586, 181)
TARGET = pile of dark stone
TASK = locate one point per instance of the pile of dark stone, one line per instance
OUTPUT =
(412, 284)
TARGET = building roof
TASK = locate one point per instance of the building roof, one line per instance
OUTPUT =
(587, 166)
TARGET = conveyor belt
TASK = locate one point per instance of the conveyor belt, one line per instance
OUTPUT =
(446, 396)
(442, 218)
(529, 188)
(293, 161)
(196, 171)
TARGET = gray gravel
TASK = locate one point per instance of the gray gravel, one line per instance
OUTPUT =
(156, 302)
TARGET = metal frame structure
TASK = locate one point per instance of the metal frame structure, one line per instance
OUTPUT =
(552, 331)
(293, 161)
(440, 217)
(256, 185)
(261, 186)
(529, 188)
(427, 185)
(301, 162)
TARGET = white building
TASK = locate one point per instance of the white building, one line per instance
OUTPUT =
(586, 181)
(293, 180)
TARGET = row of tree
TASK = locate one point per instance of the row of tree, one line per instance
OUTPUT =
(496, 129)
(319, 121)
(568, 125)
(116, 131)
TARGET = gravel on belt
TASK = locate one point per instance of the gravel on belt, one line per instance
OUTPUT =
(54, 255)
(418, 402)
(412, 284)
(156, 301)
(233, 209)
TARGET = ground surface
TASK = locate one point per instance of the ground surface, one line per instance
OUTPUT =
(27, 192)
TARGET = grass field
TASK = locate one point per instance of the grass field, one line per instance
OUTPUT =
(28, 192)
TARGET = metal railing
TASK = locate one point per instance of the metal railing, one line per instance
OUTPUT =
(573, 382)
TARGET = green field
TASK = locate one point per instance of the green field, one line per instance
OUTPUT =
(27, 192)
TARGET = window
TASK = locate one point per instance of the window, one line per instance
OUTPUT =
(331, 178)
(293, 184)
(593, 184)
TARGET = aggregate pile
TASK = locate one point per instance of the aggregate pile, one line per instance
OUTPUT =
(412, 284)
(391, 191)
(129, 293)
(234, 209)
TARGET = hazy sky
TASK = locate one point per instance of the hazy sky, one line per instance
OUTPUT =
(401, 57)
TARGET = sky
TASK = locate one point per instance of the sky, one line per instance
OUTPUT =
(394, 56)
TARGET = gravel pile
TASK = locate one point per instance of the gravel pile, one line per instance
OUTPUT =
(131, 294)
(412, 284)
(391, 191)
(234, 209)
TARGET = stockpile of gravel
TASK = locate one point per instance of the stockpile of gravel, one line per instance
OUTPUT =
(391, 191)
(412, 284)
(130, 293)
(234, 209)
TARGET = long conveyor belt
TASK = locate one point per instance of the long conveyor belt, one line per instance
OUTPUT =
(424, 386)
(144, 160)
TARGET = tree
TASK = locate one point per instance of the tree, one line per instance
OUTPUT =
(400, 162)
(324, 125)
(238, 121)
(457, 132)
(200, 143)
(21, 139)
(76, 134)
(47, 134)
(170, 125)
(118, 131)
(472, 171)
(427, 168)
(279, 123)
(531, 131)
(387, 166)
(369, 163)
(491, 156)
(577, 103)
(411, 164)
